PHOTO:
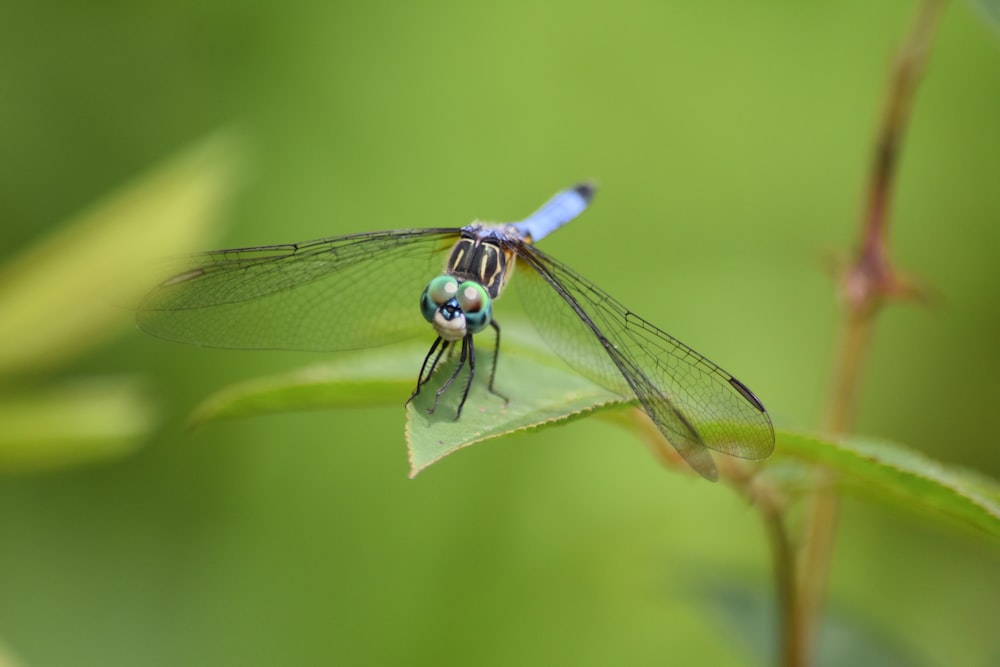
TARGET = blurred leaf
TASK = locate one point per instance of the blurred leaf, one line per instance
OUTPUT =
(887, 470)
(848, 636)
(6, 659)
(748, 614)
(990, 11)
(68, 292)
(72, 423)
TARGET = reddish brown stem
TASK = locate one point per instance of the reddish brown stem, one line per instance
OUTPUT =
(866, 285)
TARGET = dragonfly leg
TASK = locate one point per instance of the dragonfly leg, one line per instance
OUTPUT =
(472, 372)
(466, 344)
(422, 378)
(496, 358)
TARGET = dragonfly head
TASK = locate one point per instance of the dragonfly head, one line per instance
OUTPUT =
(456, 308)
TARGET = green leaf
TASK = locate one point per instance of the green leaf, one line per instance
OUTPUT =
(67, 293)
(371, 378)
(540, 394)
(886, 470)
(72, 423)
(543, 391)
(541, 388)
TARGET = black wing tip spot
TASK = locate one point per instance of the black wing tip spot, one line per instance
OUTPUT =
(586, 190)
(747, 394)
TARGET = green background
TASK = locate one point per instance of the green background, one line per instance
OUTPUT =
(731, 143)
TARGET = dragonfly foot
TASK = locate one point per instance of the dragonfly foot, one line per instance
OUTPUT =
(437, 397)
(416, 392)
(506, 401)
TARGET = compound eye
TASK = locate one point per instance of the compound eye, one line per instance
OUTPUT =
(476, 305)
(472, 297)
(442, 289)
(437, 293)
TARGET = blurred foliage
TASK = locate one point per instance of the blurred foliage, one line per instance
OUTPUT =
(990, 10)
(72, 422)
(70, 289)
(731, 143)
(73, 289)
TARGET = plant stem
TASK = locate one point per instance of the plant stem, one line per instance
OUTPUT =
(866, 285)
(793, 648)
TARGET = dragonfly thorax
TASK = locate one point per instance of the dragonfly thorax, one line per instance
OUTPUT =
(456, 309)
(481, 255)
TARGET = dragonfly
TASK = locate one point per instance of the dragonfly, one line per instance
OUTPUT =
(357, 291)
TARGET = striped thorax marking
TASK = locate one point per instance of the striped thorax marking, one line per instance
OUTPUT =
(482, 257)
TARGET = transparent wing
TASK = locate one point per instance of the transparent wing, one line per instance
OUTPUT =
(695, 404)
(337, 293)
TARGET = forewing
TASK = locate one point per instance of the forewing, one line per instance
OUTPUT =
(338, 293)
(693, 402)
